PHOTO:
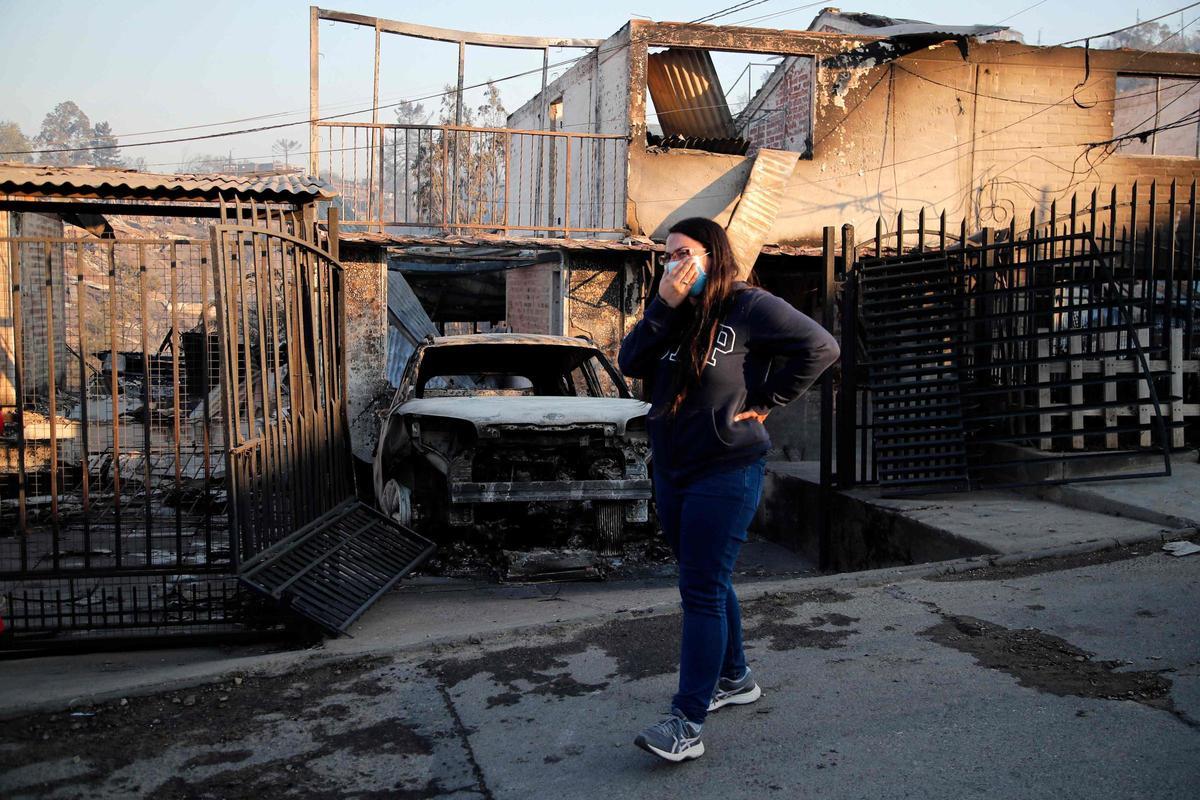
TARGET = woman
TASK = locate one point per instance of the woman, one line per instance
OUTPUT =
(705, 347)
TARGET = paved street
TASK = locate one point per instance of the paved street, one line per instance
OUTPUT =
(1075, 677)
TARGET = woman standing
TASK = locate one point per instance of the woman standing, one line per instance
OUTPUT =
(705, 347)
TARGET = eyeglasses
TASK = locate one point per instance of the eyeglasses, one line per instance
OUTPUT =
(684, 252)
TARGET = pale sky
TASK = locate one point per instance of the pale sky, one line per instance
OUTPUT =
(147, 65)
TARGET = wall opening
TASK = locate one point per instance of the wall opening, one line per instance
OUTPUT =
(728, 101)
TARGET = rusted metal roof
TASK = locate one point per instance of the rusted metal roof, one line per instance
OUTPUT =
(687, 94)
(484, 240)
(42, 180)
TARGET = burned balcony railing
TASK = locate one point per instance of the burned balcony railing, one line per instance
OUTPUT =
(460, 179)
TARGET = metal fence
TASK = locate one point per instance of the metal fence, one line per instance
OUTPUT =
(112, 513)
(978, 360)
(171, 408)
(453, 178)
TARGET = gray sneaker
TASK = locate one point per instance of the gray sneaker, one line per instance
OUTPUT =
(731, 692)
(675, 738)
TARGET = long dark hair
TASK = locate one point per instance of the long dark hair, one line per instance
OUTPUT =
(712, 304)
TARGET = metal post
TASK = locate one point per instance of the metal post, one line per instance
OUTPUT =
(847, 399)
(314, 82)
(824, 556)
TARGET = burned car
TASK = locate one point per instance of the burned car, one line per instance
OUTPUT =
(488, 425)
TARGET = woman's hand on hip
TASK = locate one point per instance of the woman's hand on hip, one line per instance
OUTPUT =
(674, 286)
(759, 414)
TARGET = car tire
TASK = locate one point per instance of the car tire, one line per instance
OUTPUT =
(396, 502)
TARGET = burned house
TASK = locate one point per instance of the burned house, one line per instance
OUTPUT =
(863, 139)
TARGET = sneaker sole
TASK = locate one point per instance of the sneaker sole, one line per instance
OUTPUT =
(695, 751)
(737, 699)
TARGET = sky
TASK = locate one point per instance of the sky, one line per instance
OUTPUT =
(150, 65)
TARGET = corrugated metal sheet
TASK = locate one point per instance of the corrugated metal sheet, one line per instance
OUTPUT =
(735, 147)
(637, 245)
(831, 20)
(399, 240)
(687, 94)
(408, 324)
(40, 180)
(752, 219)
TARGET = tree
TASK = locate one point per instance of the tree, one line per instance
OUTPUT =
(13, 144)
(68, 130)
(1157, 36)
(207, 162)
(106, 154)
(65, 128)
(285, 147)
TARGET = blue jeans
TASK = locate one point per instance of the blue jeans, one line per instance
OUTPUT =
(705, 523)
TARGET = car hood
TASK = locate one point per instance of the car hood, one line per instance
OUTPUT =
(541, 411)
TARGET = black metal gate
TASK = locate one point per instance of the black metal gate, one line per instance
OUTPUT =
(986, 361)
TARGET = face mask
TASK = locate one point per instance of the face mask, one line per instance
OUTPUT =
(701, 277)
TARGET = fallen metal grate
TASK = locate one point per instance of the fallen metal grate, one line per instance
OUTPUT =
(334, 568)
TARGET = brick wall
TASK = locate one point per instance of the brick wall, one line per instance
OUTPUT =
(527, 299)
(780, 117)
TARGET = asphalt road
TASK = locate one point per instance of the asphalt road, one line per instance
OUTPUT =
(1075, 678)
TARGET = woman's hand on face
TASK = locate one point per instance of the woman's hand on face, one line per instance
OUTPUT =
(758, 414)
(674, 286)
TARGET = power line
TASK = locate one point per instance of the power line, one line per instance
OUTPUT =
(1022, 11)
(281, 125)
(776, 14)
(1127, 27)
(724, 12)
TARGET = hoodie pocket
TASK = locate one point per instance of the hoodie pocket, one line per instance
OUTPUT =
(737, 435)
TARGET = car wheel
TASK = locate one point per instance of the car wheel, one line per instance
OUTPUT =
(397, 502)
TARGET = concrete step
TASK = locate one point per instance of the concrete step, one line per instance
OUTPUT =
(870, 531)
(1172, 501)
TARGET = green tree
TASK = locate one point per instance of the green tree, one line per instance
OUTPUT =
(13, 144)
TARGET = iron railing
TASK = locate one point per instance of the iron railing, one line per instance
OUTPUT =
(461, 179)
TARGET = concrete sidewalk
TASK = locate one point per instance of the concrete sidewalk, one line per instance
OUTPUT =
(1076, 676)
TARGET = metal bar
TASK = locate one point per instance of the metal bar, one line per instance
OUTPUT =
(847, 401)
(114, 389)
(824, 549)
(567, 193)
(175, 429)
(1169, 282)
(16, 274)
(1150, 287)
(314, 84)
(84, 415)
(269, 471)
(147, 407)
(1189, 341)
(51, 368)
(449, 35)
(228, 363)
(205, 409)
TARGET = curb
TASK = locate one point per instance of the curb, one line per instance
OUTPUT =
(274, 664)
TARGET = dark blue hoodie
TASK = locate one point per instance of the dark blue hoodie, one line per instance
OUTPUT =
(702, 438)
